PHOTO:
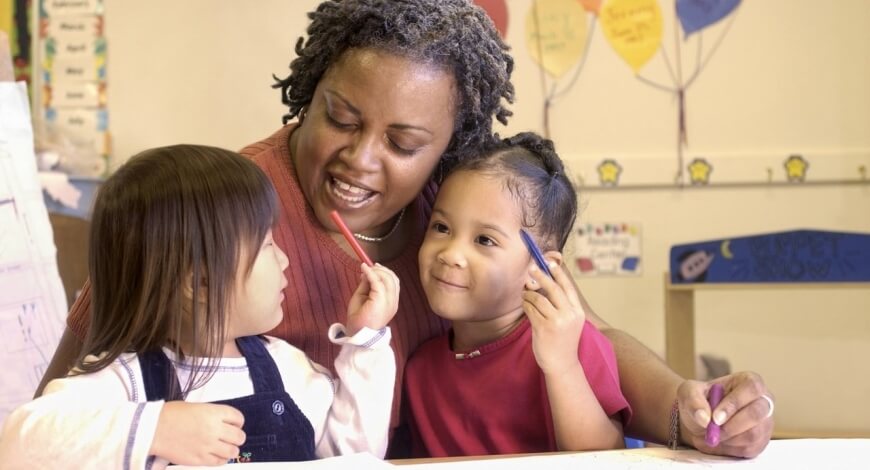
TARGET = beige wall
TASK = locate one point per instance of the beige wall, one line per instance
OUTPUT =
(791, 76)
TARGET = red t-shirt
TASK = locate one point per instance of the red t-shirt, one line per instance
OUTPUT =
(321, 276)
(496, 402)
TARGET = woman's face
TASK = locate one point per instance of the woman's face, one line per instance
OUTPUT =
(372, 135)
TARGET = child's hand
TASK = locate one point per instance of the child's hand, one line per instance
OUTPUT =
(375, 301)
(557, 319)
(198, 433)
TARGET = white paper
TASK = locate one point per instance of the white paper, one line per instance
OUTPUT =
(828, 454)
(363, 461)
(32, 300)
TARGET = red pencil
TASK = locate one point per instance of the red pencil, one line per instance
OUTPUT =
(350, 238)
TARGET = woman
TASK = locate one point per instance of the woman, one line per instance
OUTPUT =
(387, 95)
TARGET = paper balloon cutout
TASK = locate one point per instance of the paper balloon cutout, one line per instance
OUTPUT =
(497, 11)
(633, 28)
(698, 14)
(556, 34)
(591, 6)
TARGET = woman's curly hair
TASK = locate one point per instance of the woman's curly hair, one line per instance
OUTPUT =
(454, 35)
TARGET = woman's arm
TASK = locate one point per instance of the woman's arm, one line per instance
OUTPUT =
(70, 345)
(651, 388)
(648, 384)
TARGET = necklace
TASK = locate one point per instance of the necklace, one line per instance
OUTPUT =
(380, 239)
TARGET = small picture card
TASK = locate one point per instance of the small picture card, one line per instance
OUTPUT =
(607, 249)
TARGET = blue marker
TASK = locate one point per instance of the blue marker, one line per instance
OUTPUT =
(536, 252)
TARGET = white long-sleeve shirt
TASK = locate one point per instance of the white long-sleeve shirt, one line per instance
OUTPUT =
(102, 420)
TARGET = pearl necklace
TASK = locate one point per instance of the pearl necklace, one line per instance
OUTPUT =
(365, 238)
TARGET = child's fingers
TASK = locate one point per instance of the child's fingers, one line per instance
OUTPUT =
(537, 307)
(371, 280)
(230, 415)
(551, 290)
(389, 279)
(234, 435)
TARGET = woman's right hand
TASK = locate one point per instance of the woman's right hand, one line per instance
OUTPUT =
(198, 433)
(745, 414)
(375, 301)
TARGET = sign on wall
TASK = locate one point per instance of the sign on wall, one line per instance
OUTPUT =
(607, 249)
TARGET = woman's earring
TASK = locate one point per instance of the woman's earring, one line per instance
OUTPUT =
(302, 112)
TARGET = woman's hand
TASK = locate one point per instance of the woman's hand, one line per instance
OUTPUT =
(198, 433)
(557, 319)
(744, 414)
(375, 301)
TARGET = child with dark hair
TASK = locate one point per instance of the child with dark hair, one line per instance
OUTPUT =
(186, 278)
(521, 369)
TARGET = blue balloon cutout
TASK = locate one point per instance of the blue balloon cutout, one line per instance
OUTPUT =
(698, 14)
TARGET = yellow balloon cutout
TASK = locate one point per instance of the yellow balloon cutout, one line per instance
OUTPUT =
(556, 34)
(633, 28)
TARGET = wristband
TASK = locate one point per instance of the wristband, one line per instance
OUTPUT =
(674, 434)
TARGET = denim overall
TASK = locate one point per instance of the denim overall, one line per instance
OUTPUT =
(276, 429)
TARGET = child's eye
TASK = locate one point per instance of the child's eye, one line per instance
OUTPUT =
(439, 227)
(485, 241)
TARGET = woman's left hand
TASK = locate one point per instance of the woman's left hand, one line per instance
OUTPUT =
(745, 415)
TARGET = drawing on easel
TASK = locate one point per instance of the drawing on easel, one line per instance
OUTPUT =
(32, 300)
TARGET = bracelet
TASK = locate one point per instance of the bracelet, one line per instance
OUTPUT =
(674, 435)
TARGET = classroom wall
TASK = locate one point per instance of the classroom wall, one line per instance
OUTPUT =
(790, 76)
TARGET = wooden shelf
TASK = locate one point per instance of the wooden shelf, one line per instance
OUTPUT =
(680, 334)
(680, 314)
(764, 285)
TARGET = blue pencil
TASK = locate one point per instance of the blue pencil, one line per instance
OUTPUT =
(536, 252)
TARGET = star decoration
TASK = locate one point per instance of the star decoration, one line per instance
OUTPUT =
(608, 172)
(796, 168)
(699, 171)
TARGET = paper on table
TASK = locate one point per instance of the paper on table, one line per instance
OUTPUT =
(791, 454)
(362, 460)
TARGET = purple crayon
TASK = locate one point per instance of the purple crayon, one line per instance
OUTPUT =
(715, 396)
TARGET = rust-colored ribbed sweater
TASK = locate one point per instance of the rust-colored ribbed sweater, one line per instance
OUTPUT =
(321, 276)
